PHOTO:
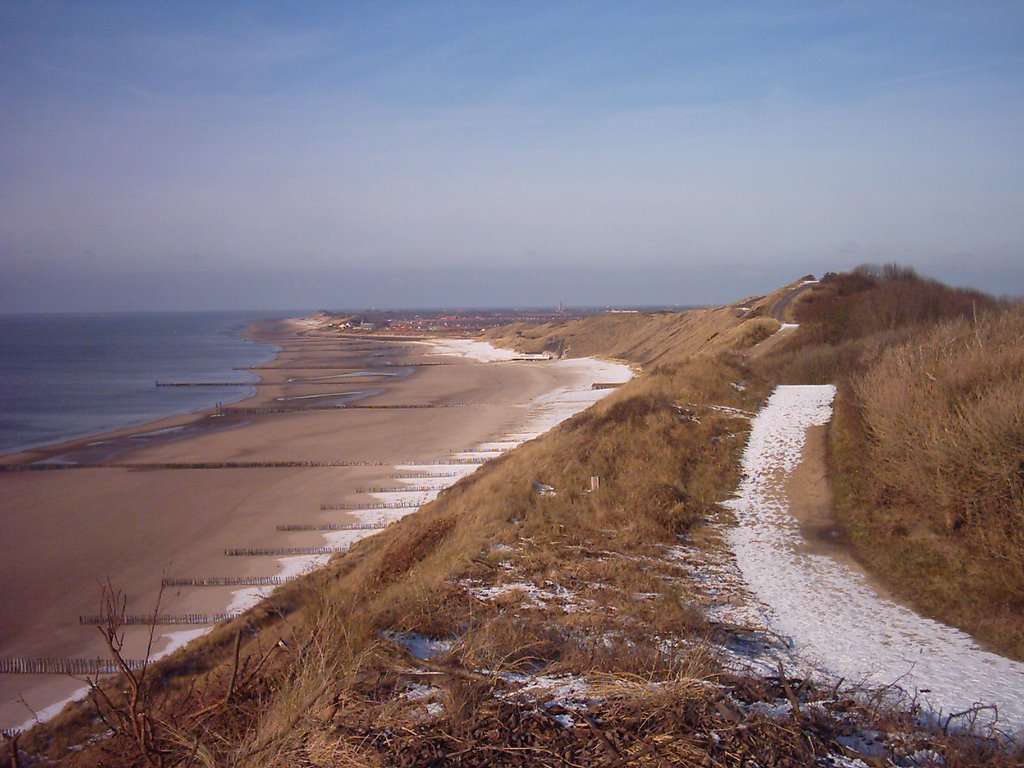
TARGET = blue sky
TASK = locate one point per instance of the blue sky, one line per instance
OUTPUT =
(190, 155)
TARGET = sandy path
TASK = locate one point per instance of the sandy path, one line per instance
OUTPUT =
(836, 620)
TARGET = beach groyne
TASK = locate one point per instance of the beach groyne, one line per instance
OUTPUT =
(288, 464)
(261, 410)
(282, 551)
(14, 665)
(223, 581)
(293, 527)
(41, 466)
(161, 619)
(402, 489)
(370, 507)
(206, 383)
(205, 496)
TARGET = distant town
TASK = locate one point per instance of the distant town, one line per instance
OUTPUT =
(463, 320)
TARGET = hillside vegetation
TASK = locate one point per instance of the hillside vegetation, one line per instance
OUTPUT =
(649, 339)
(927, 445)
(509, 624)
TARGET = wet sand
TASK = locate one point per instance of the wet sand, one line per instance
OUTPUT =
(64, 532)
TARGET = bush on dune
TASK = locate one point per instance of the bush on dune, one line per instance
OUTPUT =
(944, 418)
(927, 444)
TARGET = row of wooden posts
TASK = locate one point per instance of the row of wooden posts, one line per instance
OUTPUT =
(189, 465)
(369, 507)
(161, 619)
(420, 475)
(332, 526)
(401, 489)
(98, 666)
(14, 665)
(223, 581)
(282, 551)
(256, 411)
(42, 467)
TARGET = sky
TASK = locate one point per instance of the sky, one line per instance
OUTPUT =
(204, 155)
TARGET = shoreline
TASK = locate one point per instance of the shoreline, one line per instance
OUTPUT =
(193, 516)
(54, 449)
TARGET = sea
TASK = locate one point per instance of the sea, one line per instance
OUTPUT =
(65, 376)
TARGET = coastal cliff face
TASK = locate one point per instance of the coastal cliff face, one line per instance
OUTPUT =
(534, 616)
(648, 339)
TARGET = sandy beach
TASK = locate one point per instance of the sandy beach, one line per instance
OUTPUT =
(116, 510)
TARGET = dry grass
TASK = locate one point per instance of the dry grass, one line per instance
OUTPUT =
(850, 319)
(575, 591)
(337, 676)
(650, 339)
(869, 301)
(943, 433)
(926, 443)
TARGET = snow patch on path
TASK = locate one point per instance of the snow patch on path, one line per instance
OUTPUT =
(834, 619)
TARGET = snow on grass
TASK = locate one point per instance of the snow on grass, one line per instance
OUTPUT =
(730, 411)
(841, 761)
(50, 712)
(829, 611)
(419, 645)
(288, 568)
(566, 691)
(420, 692)
(750, 645)
(533, 596)
(427, 695)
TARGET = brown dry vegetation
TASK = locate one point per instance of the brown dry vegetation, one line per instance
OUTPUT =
(574, 587)
(648, 339)
(927, 442)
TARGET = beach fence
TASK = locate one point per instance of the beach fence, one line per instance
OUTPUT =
(421, 475)
(402, 489)
(282, 551)
(24, 666)
(370, 507)
(332, 526)
(441, 462)
(161, 619)
(204, 383)
(189, 465)
(352, 407)
(224, 581)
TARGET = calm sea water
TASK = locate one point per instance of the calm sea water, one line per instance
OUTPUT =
(65, 376)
